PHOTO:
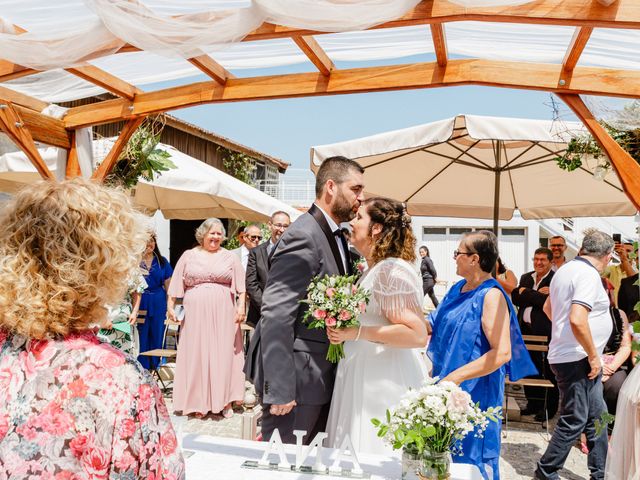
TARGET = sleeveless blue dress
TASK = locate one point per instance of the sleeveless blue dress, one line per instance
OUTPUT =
(154, 301)
(457, 340)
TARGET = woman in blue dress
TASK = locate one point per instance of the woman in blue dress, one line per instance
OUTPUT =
(476, 342)
(154, 299)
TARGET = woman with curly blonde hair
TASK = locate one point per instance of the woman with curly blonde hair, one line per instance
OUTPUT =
(381, 360)
(69, 402)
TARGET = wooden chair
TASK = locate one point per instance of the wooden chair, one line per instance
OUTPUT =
(142, 314)
(534, 343)
(171, 331)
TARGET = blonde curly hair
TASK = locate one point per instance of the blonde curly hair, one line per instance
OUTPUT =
(66, 249)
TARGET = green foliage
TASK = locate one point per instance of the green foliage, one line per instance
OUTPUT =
(140, 158)
(232, 242)
(585, 145)
(238, 164)
(601, 423)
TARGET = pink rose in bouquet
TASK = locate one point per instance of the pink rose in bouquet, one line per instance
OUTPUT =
(335, 301)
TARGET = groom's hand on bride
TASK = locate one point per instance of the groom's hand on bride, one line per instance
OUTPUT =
(282, 409)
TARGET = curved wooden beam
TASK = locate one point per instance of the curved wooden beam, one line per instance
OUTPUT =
(625, 166)
(534, 76)
(14, 127)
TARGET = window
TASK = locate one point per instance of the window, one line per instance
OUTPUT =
(459, 230)
(513, 232)
(434, 231)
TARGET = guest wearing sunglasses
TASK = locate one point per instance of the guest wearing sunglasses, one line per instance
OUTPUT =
(252, 237)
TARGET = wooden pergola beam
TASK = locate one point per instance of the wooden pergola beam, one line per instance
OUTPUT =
(44, 129)
(17, 131)
(314, 52)
(23, 100)
(211, 68)
(73, 164)
(439, 43)
(578, 13)
(105, 80)
(625, 166)
(576, 47)
(112, 157)
(522, 75)
(622, 14)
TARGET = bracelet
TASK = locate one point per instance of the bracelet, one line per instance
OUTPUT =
(359, 332)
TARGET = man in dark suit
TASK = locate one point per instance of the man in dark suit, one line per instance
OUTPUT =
(286, 360)
(258, 265)
(529, 296)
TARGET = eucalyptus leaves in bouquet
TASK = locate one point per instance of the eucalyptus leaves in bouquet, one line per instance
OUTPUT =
(141, 158)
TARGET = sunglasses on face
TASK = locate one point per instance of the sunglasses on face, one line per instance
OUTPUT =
(253, 238)
(457, 253)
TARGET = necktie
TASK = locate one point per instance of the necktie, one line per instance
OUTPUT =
(345, 249)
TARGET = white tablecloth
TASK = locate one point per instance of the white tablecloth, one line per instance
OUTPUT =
(221, 458)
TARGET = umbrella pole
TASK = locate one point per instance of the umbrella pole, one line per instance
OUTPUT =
(496, 192)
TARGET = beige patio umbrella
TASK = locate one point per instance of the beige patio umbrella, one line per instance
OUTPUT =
(482, 167)
(192, 191)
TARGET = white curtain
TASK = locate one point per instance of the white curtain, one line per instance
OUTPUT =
(62, 44)
(184, 34)
(334, 15)
(489, 3)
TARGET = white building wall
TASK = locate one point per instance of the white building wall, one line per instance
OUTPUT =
(516, 251)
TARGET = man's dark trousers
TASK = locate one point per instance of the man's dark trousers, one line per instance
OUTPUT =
(581, 404)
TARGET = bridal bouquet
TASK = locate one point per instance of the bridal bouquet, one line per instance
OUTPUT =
(430, 422)
(335, 301)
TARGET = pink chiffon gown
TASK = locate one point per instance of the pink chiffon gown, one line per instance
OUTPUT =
(210, 356)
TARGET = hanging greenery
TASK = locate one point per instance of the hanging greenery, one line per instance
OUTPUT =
(623, 129)
(141, 158)
(238, 164)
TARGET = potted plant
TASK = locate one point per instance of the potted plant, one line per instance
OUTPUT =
(428, 425)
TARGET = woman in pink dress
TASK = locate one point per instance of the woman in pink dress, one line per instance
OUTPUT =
(211, 282)
(72, 406)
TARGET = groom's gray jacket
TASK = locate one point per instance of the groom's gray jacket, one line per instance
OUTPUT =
(286, 361)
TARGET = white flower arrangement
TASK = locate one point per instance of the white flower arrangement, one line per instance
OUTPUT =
(434, 418)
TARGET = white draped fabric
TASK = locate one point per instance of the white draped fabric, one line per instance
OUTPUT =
(334, 15)
(183, 35)
(66, 32)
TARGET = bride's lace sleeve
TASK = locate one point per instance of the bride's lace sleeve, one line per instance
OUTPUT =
(396, 287)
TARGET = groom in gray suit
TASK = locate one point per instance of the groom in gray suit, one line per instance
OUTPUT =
(286, 361)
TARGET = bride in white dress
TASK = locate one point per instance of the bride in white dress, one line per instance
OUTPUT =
(381, 361)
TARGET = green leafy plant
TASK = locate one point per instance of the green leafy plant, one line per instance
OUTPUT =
(623, 129)
(141, 158)
(238, 164)
(232, 241)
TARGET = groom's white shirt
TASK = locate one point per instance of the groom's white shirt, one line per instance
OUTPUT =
(334, 226)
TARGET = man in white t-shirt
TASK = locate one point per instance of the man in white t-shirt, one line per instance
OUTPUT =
(581, 325)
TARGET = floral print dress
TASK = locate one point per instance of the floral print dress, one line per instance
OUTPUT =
(77, 408)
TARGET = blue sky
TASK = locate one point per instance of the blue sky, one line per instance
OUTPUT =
(287, 128)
